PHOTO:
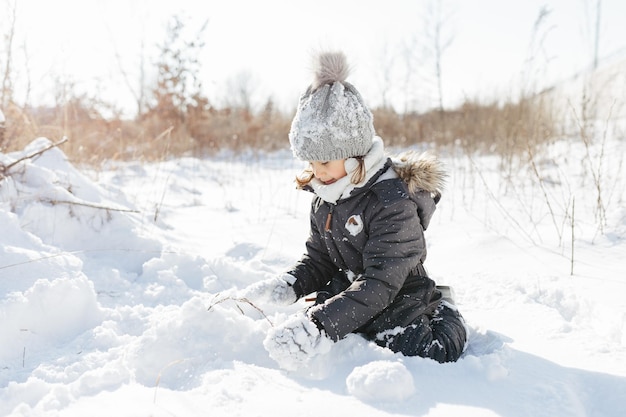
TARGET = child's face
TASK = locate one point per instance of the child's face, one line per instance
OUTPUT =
(329, 171)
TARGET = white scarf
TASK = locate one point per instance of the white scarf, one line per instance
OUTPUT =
(374, 161)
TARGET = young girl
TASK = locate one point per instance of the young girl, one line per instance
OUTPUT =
(364, 256)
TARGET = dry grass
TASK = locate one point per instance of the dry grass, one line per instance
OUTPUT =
(94, 139)
(502, 129)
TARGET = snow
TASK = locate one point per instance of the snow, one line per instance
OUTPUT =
(119, 291)
(381, 381)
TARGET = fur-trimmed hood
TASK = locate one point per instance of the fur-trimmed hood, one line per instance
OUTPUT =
(420, 171)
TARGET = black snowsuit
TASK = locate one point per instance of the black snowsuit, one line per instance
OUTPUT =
(364, 260)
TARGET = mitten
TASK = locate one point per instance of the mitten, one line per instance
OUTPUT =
(294, 342)
(277, 290)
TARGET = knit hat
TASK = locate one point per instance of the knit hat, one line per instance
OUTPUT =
(331, 122)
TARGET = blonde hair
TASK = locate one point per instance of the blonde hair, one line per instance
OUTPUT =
(358, 174)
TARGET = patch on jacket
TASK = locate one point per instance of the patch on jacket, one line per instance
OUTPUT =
(354, 224)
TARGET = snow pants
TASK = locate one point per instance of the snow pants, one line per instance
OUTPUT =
(420, 321)
(441, 336)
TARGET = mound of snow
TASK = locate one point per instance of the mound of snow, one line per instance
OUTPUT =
(381, 381)
(65, 209)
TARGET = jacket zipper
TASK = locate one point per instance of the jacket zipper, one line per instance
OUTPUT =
(328, 219)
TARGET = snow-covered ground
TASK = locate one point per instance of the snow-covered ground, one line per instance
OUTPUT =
(118, 291)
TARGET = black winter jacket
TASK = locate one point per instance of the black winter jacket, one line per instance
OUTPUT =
(364, 254)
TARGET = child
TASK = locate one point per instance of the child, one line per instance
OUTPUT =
(365, 252)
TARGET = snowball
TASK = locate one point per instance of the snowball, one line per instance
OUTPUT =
(383, 381)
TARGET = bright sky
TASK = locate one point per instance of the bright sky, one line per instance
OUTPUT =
(271, 40)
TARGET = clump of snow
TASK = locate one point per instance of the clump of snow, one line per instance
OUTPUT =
(70, 308)
(381, 381)
(295, 341)
(119, 293)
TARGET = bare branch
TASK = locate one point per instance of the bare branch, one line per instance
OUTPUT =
(6, 90)
(85, 204)
(241, 300)
(4, 169)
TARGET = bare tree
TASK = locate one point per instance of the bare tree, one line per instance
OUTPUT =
(592, 27)
(178, 82)
(423, 56)
(411, 58)
(386, 64)
(439, 40)
(596, 44)
(537, 57)
(137, 91)
(6, 91)
(241, 89)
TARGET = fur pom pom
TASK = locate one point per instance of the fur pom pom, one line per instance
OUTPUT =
(330, 67)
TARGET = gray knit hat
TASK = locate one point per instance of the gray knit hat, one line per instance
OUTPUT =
(331, 122)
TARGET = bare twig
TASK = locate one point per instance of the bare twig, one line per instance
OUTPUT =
(240, 300)
(596, 172)
(158, 380)
(531, 158)
(165, 134)
(4, 169)
(96, 206)
(504, 211)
